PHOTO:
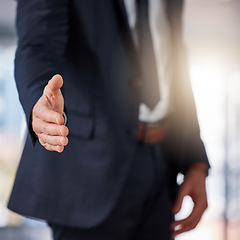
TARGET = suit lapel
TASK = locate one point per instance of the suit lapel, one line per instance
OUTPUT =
(123, 12)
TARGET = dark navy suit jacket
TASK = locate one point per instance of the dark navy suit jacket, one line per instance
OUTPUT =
(89, 43)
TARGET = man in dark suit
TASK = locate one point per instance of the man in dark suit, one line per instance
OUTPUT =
(116, 179)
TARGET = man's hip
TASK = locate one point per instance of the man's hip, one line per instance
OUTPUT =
(143, 210)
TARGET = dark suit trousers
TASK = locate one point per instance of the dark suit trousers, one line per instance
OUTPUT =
(143, 211)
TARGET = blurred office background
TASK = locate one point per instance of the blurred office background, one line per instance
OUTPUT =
(212, 35)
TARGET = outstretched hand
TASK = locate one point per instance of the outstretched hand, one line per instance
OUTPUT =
(47, 119)
(195, 187)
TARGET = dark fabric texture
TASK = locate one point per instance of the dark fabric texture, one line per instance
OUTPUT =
(143, 210)
(150, 90)
(89, 43)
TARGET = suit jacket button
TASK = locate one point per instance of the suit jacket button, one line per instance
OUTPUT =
(135, 83)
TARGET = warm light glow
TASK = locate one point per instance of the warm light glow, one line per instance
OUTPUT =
(208, 78)
(208, 83)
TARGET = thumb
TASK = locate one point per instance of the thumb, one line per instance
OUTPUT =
(52, 93)
(55, 83)
(183, 191)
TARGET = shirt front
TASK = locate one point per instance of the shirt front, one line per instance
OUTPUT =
(160, 35)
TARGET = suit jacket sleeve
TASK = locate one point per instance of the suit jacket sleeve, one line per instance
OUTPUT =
(193, 147)
(42, 28)
(188, 146)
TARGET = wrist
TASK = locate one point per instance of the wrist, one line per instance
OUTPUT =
(200, 167)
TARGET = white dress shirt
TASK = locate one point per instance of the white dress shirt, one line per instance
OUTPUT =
(160, 36)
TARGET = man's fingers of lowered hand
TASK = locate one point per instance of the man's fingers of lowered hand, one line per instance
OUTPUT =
(184, 190)
(193, 186)
(191, 221)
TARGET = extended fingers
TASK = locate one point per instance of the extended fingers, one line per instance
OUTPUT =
(50, 147)
(52, 129)
(53, 140)
(47, 120)
(48, 115)
(51, 136)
